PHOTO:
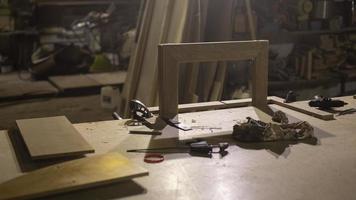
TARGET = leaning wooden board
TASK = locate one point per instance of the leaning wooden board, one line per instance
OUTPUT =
(52, 137)
(70, 176)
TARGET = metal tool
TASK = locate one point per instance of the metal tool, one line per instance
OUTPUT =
(326, 102)
(139, 110)
(201, 149)
(290, 97)
(177, 124)
(140, 114)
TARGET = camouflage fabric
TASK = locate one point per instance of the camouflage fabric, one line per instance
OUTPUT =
(258, 131)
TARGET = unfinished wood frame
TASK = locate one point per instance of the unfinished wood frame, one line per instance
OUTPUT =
(301, 106)
(171, 55)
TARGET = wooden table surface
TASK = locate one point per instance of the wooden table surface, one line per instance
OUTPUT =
(324, 168)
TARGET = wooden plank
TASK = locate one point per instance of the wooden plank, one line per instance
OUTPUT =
(73, 175)
(143, 92)
(52, 137)
(195, 32)
(309, 70)
(212, 105)
(219, 83)
(71, 82)
(303, 107)
(171, 29)
(250, 19)
(170, 55)
(218, 28)
(136, 59)
(214, 96)
(112, 78)
(26, 89)
(303, 66)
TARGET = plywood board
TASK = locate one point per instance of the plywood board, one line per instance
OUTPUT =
(23, 89)
(52, 137)
(73, 175)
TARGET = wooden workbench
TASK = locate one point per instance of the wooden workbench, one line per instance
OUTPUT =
(324, 168)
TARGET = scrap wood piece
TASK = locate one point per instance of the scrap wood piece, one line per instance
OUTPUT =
(70, 176)
(303, 107)
(23, 89)
(52, 137)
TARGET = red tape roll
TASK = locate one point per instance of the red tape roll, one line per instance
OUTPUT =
(153, 158)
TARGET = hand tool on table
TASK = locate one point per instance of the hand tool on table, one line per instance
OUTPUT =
(290, 97)
(141, 114)
(201, 149)
(326, 102)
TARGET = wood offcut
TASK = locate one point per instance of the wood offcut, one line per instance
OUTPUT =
(70, 176)
(52, 137)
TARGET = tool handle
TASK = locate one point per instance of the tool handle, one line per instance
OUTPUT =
(201, 149)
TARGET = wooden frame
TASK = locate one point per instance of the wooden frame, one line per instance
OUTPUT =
(301, 106)
(171, 55)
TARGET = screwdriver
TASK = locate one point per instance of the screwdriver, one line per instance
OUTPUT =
(201, 149)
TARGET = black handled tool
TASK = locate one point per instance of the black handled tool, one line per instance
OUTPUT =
(201, 149)
(326, 103)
